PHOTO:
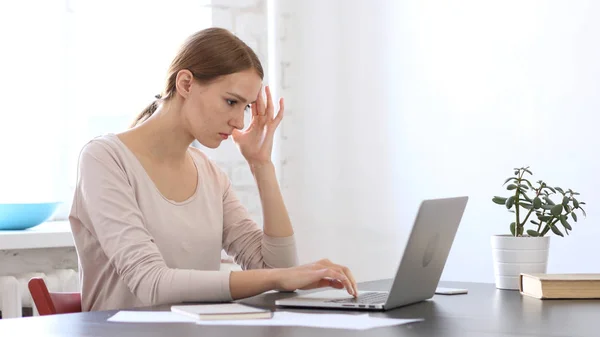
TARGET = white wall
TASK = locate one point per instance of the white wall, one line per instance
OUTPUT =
(491, 86)
(336, 144)
(393, 102)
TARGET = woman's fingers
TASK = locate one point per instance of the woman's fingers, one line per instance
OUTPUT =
(269, 110)
(255, 116)
(344, 270)
(279, 116)
(260, 104)
(335, 283)
(334, 274)
(348, 274)
(326, 282)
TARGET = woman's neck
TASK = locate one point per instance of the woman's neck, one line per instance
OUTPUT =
(162, 136)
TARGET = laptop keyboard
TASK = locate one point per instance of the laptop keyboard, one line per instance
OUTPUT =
(366, 298)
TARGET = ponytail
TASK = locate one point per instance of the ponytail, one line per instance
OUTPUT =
(147, 112)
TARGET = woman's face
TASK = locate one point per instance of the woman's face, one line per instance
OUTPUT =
(212, 111)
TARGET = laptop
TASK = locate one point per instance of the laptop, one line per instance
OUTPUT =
(420, 268)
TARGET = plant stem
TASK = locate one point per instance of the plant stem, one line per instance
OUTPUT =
(540, 224)
(531, 210)
(549, 223)
(517, 223)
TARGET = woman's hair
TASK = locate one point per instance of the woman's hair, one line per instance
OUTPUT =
(207, 54)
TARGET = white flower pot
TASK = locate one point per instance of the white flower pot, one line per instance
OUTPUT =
(515, 255)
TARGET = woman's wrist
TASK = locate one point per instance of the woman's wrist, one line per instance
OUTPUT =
(274, 278)
(250, 283)
(257, 166)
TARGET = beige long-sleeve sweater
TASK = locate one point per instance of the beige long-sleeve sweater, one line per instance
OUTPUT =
(138, 248)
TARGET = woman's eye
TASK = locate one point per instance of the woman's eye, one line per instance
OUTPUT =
(231, 102)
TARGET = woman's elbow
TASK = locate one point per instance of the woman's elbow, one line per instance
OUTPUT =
(287, 260)
(146, 285)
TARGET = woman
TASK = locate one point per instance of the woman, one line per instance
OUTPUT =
(151, 213)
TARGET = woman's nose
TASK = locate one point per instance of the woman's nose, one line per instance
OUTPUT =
(238, 121)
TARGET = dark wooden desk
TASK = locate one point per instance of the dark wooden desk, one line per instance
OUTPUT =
(484, 312)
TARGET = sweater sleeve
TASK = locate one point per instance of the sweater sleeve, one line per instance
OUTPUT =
(118, 224)
(247, 243)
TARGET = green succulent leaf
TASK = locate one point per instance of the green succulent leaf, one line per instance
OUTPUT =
(551, 189)
(528, 182)
(548, 200)
(560, 190)
(528, 171)
(556, 210)
(574, 216)
(511, 187)
(544, 218)
(531, 232)
(583, 211)
(563, 221)
(545, 231)
(575, 203)
(524, 194)
(534, 222)
(525, 187)
(510, 202)
(565, 201)
(512, 228)
(499, 200)
(537, 202)
(556, 231)
(509, 179)
(526, 205)
(547, 207)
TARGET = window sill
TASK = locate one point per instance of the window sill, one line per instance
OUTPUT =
(46, 235)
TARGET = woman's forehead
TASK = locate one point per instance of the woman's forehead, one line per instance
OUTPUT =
(246, 84)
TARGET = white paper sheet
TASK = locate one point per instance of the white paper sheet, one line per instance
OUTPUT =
(150, 317)
(280, 318)
(330, 321)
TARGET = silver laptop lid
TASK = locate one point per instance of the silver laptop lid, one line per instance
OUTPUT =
(426, 251)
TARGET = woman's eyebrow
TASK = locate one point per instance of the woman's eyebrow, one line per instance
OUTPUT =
(242, 99)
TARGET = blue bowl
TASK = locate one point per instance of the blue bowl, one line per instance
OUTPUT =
(23, 216)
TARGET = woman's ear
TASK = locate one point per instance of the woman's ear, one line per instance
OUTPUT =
(183, 82)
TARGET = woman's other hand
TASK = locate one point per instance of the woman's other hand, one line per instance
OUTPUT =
(256, 142)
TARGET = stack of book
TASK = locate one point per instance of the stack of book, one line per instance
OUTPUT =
(560, 286)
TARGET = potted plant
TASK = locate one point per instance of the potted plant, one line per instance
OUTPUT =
(538, 209)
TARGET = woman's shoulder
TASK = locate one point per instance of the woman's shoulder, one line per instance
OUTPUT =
(102, 148)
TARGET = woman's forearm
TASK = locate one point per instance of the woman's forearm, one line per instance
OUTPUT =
(248, 283)
(275, 216)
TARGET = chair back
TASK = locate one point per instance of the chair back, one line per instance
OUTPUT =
(51, 303)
